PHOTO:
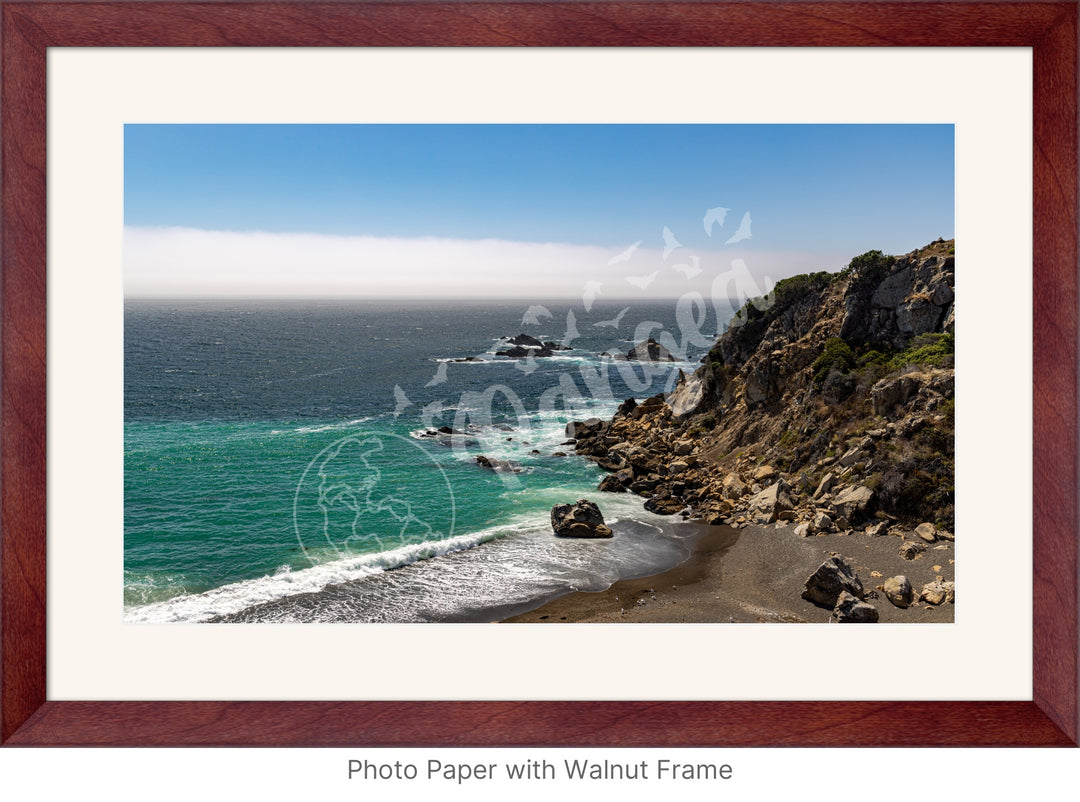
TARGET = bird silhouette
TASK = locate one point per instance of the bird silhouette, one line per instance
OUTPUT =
(430, 412)
(689, 270)
(713, 217)
(625, 255)
(533, 314)
(642, 282)
(572, 332)
(439, 377)
(589, 293)
(743, 232)
(670, 243)
(402, 400)
(614, 322)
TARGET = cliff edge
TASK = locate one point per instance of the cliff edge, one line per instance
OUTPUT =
(828, 403)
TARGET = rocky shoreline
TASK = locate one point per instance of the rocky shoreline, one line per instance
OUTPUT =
(825, 412)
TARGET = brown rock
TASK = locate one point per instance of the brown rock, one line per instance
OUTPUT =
(898, 590)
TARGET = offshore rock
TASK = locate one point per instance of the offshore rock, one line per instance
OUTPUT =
(582, 519)
(650, 351)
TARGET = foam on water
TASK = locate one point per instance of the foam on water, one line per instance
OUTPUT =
(502, 576)
(285, 581)
(514, 563)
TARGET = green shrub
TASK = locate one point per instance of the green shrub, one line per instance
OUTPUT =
(837, 355)
(869, 267)
(873, 357)
(750, 322)
(927, 349)
(934, 438)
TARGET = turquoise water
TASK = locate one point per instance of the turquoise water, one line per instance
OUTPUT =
(278, 468)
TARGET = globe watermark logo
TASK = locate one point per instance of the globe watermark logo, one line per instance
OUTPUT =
(360, 496)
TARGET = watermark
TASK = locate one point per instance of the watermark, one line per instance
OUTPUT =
(575, 391)
(350, 502)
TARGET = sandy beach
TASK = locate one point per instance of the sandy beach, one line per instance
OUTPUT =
(755, 575)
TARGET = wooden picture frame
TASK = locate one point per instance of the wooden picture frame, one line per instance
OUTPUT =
(28, 718)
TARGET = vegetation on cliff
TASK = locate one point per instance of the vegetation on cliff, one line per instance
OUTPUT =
(829, 403)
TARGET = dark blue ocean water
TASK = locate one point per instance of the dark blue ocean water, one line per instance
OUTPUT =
(275, 467)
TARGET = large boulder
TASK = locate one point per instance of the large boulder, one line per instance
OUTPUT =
(689, 397)
(734, 486)
(584, 428)
(927, 531)
(854, 503)
(664, 503)
(681, 448)
(825, 485)
(581, 519)
(611, 484)
(898, 590)
(910, 549)
(833, 577)
(938, 592)
(891, 391)
(850, 610)
(764, 507)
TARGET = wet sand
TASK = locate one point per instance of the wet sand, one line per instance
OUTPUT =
(755, 575)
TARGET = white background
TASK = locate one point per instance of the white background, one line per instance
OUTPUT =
(92, 93)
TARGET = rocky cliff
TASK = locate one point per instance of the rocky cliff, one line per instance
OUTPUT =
(829, 404)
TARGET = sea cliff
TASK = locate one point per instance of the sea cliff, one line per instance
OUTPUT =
(825, 410)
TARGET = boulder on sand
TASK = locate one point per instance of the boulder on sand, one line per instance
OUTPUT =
(581, 519)
(898, 590)
(833, 577)
(850, 610)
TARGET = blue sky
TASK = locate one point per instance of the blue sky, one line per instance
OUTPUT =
(816, 194)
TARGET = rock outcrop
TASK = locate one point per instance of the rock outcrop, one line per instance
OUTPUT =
(525, 345)
(497, 465)
(829, 403)
(650, 351)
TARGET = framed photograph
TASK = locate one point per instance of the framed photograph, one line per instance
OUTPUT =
(640, 337)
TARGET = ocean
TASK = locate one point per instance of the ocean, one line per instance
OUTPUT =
(282, 460)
